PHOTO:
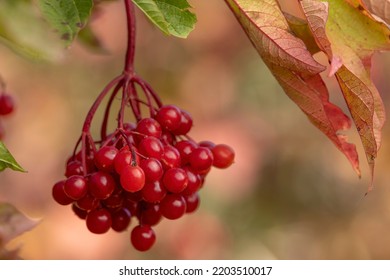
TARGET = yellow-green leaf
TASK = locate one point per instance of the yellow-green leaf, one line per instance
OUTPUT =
(7, 160)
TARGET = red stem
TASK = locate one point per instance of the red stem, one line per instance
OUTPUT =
(95, 105)
(103, 130)
(129, 64)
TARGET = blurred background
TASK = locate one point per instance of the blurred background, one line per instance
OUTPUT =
(290, 194)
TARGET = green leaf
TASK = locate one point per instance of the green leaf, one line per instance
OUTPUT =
(18, 16)
(68, 17)
(7, 160)
(171, 16)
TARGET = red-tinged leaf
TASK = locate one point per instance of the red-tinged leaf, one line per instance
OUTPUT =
(380, 9)
(266, 26)
(294, 67)
(349, 38)
(12, 223)
(311, 96)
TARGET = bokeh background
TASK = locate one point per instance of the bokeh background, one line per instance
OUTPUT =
(290, 194)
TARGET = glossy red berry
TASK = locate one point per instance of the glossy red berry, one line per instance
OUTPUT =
(75, 187)
(101, 184)
(132, 178)
(151, 147)
(104, 158)
(120, 219)
(192, 202)
(59, 194)
(147, 127)
(173, 206)
(223, 156)
(194, 182)
(99, 221)
(87, 202)
(142, 237)
(152, 168)
(175, 180)
(6, 104)
(123, 158)
(169, 117)
(149, 214)
(171, 157)
(185, 149)
(185, 124)
(74, 168)
(201, 159)
(153, 192)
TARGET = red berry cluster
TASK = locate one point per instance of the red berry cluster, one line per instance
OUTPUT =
(145, 169)
(156, 171)
(6, 108)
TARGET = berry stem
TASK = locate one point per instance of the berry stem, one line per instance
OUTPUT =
(95, 105)
(103, 130)
(130, 14)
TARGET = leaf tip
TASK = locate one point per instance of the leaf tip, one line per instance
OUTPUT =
(335, 65)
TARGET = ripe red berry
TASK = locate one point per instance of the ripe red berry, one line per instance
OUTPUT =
(169, 117)
(223, 156)
(82, 214)
(171, 157)
(87, 202)
(149, 214)
(122, 159)
(142, 237)
(132, 178)
(151, 147)
(115, 200)
(104, 158)
(194, 182)
(175, 180)
(192, 202)
(173, 206)
(101, 184)
(120, 219)
(59, 194)
(153, 192)
(147, 127)
(185, 124)
(99, 221)
(201, 159)
(152, 168)
(75, 187)
(6, 104)
(74, 168)
(185, 149)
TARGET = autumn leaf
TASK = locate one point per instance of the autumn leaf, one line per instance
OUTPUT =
(13, 223)
(350, 38)
(301, 29)
(380, 9)
(294, 68)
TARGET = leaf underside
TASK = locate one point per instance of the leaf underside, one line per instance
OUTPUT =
(294, 67)
(67, 17)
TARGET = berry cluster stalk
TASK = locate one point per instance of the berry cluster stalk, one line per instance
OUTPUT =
(127, 82)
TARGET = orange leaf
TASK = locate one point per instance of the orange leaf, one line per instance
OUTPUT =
(294, 67)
